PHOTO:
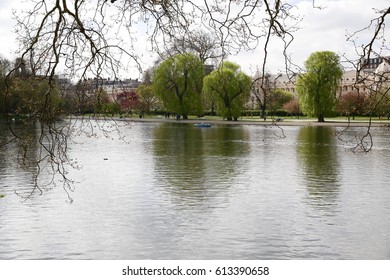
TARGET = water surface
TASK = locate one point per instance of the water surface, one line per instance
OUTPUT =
(175, 191)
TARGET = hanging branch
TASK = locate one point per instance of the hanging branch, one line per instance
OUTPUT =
(84, 38)
(372, 83)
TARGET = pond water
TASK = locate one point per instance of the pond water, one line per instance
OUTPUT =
(175, 191)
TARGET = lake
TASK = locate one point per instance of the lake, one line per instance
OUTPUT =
(176, 191)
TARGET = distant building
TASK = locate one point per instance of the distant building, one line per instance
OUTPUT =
(111, 87)
(115, 87)
(269, 83)
(348, 82)
(372, 63)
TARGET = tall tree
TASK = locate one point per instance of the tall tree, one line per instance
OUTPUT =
(148, 77)
(229, 87)
(5, 65)
(178, 83)
(148, 100)
(317, 87)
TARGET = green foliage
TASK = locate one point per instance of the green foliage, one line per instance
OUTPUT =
(4, 68)
(250, 113)
(178, 83)
(101, 102)
(69, 104)
(147, 77)
(27, 95)
(257, 113)
(34, 97)
(147, 99)
(229, 87)
(111, 108)
(317, 87)
(278, 99)
(382, 104)
(318, 158)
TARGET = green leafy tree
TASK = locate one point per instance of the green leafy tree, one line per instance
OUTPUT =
(279, 98)
(148, 100)
(178, 83)
(30, 96)
(5, 65)
(101, 102)
(318, 86)
(148, 77)
(229, 87)
(26, 94)
(382, 104)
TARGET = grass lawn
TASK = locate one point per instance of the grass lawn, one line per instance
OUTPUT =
(254, 119)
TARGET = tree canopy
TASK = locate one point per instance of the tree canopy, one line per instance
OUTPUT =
(178, 83)
(148, 100)
(229, 87)
(317, 87)
(4, 68)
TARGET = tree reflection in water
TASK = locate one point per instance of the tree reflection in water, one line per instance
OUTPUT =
(197, 163)
(319, 164)
(20, 155)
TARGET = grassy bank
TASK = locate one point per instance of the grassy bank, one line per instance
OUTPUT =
(287, 121)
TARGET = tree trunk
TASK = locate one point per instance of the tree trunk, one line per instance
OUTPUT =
(263, 114)
(185, 117)
(321, 118)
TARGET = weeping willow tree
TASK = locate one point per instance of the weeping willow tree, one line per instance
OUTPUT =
(317, 87)
(178, 83)
(229, 87)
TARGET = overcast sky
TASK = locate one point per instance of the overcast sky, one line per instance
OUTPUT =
(321, 29)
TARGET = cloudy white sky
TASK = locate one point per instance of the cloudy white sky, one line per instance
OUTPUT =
(321, 29)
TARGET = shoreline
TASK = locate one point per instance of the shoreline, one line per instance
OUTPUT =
(257, 122)
(288, 122)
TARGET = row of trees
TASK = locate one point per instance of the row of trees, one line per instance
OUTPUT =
(34, 97)
(178, 83)
(181, 84)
